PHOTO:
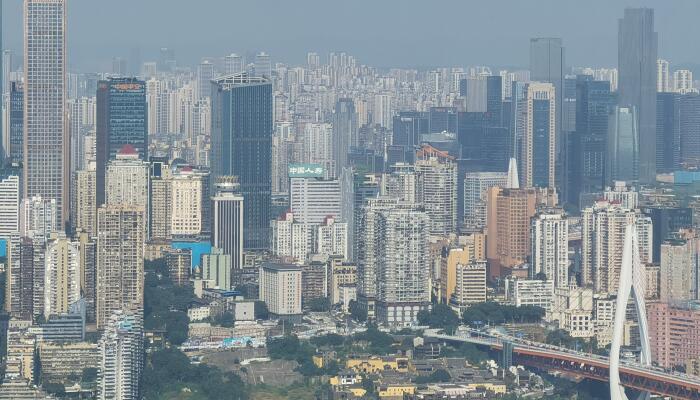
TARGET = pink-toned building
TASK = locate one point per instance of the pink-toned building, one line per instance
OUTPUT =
(674, 332)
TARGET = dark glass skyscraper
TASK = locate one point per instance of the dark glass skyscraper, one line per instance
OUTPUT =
(242, 146)
(594, 103)
(667, 132)
(344, 132)
(406, 130)
(15, 152)
(547, 64)
(121, 119)
(637, 55)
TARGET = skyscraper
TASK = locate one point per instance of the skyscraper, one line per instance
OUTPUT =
(121, 357)
(623, 145)
(538, 151)
(263, 66)
(594, 102)
(205, 73)
(45, 136)
(547, 64)
(344, 131)
(227, 229)
(242, 146)
(437, 189)
(9, 206)
(62, 275)
(637, 55)
(121, 119)
(663, 83)
(603, 232)
(120, 250)
(127, 179)
(550, 247)
(16, 148)
(403, 270)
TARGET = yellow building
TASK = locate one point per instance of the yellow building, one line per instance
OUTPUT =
(472, 248)
(497, 388)
(396, 391)
(377, 364)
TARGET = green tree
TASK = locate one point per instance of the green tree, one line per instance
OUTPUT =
(226, 320)
(357, 312)
(260, 310)
(89, 375)
(320, 304)
(441, 316)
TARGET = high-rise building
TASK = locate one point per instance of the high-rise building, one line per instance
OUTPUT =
(88, 268)
(476, 184)
(679, 268)
(603, 235)
(406, 130)
(550, 247)
(673, 329)
(402, 183)
(233, 64)
(242, 146)
(547, 64)
(38, 217)
(120, 251)
(663, 83)
(383, 111)
(84, 197)
(263, 66)
(216, 267)
(121, 357)
(188, 194)
(403, 270)
(367, 249)
(227, 219)
(15, 152)
(160, 198)
(121, 119)
(62, 275)
(470, 284)
(538, 151)
(205, 74)
(291, 238)
(179, 262)
(332, 239)
(437, 189)
(126, 179)
(666, 221)
(623, 145)
(345, 130)
(313, 199)
(45, 137)
(9, 206)
(683, 81)
(280, 289)
(637, 55)
(588, 147)
(509, 227)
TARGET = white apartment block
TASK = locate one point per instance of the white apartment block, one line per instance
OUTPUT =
(280, 288)
(550, 247)
(475, 186)
(312, 200)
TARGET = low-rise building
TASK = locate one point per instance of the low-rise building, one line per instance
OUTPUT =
(59, 362)
(372, 364)
(530, 292)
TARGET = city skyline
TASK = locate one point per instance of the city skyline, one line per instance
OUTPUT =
(450, 37)
(359, 232)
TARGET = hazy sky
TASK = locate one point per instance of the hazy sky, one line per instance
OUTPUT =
(383, 33)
